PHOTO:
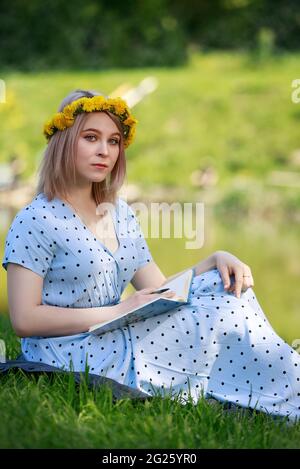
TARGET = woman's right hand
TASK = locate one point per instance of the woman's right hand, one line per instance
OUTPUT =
(140, 297)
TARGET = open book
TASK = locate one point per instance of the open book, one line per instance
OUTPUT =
(181, 285)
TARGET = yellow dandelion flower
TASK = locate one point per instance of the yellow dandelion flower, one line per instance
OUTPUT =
(117, 104)
(69, 111)
(80, 102)
(89, 106)
(105, 106)
(120, 108)
(59, 121)
(69, 122)
(98, 101)
(130, 121)
(74, 106)
(129, 138)
(48, 130)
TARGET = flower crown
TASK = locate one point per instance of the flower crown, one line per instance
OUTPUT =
(117, 106)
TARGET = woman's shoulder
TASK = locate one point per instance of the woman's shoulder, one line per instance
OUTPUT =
(38, 210)
(30, 241)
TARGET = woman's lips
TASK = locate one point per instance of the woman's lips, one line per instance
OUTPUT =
(100, 166)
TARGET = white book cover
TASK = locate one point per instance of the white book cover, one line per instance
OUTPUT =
(181, 285)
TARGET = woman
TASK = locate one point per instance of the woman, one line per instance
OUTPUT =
(69, 278)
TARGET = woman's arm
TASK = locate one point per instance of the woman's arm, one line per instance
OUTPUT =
(151, 276)
(226, 263)
(202, 266)
(205, 265)
(30, 318)
(148, 276)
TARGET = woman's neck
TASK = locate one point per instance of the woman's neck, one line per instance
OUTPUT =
(81, 197)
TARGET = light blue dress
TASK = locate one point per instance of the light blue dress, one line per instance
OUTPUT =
(218, 345)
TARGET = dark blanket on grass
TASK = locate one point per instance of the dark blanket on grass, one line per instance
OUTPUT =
(119, 391)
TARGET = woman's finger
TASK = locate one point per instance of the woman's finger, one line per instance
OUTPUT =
(247, 277)
(248, 283)
(239, 280)
(225, 276)
(245, 286)
(147, 290)
(167, 294)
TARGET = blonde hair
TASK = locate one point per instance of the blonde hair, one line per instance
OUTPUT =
(57, 167)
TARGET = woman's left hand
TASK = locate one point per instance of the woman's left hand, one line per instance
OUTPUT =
(228, 264)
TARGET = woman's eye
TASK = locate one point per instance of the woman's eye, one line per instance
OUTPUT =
(93, 138)
(115, 140)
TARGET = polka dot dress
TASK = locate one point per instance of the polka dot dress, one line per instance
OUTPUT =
(218, 345)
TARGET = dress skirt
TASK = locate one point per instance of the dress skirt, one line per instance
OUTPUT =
(218, 346)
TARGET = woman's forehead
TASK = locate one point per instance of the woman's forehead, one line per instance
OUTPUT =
(100, 121)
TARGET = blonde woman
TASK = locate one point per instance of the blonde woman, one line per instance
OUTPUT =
(64, 276)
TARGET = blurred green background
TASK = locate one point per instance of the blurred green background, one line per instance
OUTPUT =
(221, 127)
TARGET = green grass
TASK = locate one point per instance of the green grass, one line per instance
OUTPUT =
(222, 109)
(52, 411)
(226, 111)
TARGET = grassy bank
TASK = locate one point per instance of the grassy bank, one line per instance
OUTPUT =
(53, 412)
(223, 110)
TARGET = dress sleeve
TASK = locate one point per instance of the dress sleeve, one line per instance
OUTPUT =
(29, 244)
(137, 235)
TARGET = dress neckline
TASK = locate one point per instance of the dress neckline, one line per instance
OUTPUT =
(115, 216)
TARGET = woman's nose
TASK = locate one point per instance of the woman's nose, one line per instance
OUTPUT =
(102, 147)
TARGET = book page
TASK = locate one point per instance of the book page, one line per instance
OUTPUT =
(180, 285)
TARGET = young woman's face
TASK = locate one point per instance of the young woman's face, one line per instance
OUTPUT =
(98, 144)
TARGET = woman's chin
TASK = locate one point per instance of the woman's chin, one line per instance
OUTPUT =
(97, 178)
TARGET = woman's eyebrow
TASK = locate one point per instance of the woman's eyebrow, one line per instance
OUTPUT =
(99, 131)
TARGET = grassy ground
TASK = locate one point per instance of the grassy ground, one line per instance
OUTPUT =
(53, 412)
(226, 113)
(225, 110)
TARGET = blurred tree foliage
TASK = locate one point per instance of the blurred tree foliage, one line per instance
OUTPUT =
(240, 24)
(37, 34)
